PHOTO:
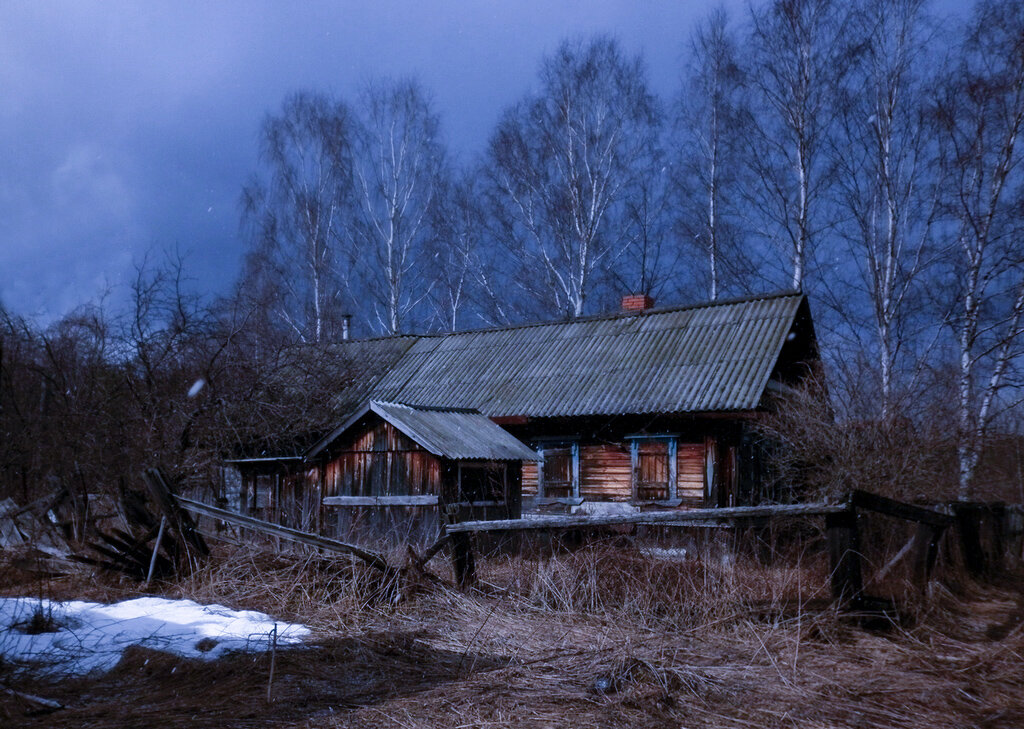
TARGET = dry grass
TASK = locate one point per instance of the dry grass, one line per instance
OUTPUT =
(602, 635)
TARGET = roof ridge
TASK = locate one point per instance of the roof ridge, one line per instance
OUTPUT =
(751, 298)
(426, 408)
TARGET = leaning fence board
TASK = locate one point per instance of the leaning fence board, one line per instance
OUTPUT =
(402, 500)
(650, 517)
(287, 533)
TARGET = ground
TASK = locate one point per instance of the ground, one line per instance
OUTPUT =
(534, 646)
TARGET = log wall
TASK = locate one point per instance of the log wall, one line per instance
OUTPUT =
(605, 472)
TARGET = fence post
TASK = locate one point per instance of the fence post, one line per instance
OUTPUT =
(844, 555)
(968, 524)
(462, 551)
(925, 552)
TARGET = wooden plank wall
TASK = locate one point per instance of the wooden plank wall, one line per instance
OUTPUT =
(690, 473)
(530, 478)
(382, 461)
(606, 472)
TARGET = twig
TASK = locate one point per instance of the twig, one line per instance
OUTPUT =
(273, 658)
(156, 549)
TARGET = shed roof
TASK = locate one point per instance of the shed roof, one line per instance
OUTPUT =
(715, 357)
(454, 434)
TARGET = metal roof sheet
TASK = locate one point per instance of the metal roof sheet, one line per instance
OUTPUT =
(716, 357)
(455, 434)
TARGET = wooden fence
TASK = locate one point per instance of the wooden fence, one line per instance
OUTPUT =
(841, 532)
(1001, 525)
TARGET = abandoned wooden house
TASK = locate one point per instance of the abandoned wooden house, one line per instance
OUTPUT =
(644, 408)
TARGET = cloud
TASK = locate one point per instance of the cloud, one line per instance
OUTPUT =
(89, 190)
(69, 234)
(130, 125)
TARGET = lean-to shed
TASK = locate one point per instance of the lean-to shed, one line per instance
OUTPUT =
(399, 468)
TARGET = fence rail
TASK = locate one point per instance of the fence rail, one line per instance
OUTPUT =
(648, 517)
(841, 532)
(283, 532)
(414, 500)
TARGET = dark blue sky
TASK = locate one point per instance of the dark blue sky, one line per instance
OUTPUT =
(128, 126)
(131, 126)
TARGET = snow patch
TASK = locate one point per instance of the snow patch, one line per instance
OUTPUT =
(90, 637)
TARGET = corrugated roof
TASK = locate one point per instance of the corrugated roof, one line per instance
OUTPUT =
(365, 362)
(715, 357)
(455, 434)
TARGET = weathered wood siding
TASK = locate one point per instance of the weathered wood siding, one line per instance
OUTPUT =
(530, 478)
(606, 472)
(382, 461)
(690, 467)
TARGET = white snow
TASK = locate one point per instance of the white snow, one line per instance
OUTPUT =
(91, 636)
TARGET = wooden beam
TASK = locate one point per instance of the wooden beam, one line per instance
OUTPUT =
(463, 563)
(898, 509)
(403, 500)
(969, 519)
(294, 535)
(657, 517)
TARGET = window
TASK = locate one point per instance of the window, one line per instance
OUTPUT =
(559, 474)
(654, 467)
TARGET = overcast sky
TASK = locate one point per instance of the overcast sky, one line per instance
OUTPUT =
(132, 126)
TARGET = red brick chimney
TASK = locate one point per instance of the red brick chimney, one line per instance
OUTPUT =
(637, 302)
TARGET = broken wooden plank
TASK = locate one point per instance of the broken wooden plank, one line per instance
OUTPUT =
(180, 521)
(433, 550)
(156, 549)
(43, 705)
(395, 500)
(287, 533)
(656, 517)
(43, 504)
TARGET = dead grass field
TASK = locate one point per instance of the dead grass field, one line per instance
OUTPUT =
(600, 636)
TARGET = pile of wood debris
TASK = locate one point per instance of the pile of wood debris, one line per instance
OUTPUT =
(33, 524)
(144, 535)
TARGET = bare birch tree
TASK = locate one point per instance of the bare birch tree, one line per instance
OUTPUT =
(798, 56)
(455, 253)
(887, 185)
(981, 111)
(711, 120)
(563, 163)
(400, 168)
(296, 213)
